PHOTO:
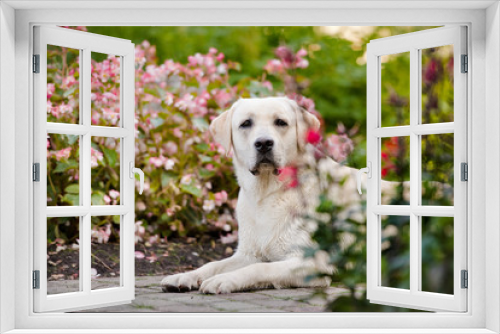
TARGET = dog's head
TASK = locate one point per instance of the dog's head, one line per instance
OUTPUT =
(264, 133)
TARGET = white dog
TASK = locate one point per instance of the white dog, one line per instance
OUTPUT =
(265, 134)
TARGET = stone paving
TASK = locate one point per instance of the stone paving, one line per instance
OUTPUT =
(150, 298)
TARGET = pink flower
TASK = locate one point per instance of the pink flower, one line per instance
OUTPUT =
(63, 154)
(152, 258)
(268, 85)
(229, 238)
(154, 239)
(95, 156)
(313, 137)
(220, 197)
(288, 175)
(139, 231)
(114, 194)
(339, 147)
(51, 88)
(301, 53)
(285, 55)
(107, 199)
(274, 66)
(157, 162)
(139, 255)
(101, 234)
(69, 81)
(170, 148)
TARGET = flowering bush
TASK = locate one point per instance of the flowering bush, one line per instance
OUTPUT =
(190, 188)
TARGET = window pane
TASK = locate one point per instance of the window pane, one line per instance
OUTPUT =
(105, 162)
(63, 255)
(395, 89)
(105, 93)
(63, 170)
(437, 84)
(437, 254)
(437, 169)
(395, 246)
(63, 85)
(395, 170)
(105, 252)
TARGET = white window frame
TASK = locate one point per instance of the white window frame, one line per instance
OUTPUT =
(124, 133)
(483, 21)
(414, 43)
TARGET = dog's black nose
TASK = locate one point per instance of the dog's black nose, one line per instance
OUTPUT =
(264, 145)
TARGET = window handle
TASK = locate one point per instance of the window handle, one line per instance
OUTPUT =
(367, 170)
(134, 171)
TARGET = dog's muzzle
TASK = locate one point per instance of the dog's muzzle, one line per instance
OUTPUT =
(264, 160)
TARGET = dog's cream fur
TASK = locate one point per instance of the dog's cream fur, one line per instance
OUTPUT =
(272, 232)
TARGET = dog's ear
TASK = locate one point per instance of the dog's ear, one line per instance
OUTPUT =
(221, 129)
(305, 121)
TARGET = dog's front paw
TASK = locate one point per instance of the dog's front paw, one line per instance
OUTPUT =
(180, 282)
(223, 283)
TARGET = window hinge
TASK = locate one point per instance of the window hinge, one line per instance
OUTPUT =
(36, 279)
(465, 64)
(36, 63)
(36, 172)
(465, 279)
(464, 171)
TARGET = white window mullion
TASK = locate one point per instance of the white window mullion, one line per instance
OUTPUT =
(373, 184)
(414, 171)
(85, 158)
(127, 122)
(419, 129)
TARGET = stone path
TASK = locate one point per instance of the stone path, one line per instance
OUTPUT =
(150, 298)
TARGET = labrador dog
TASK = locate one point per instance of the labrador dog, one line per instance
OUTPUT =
(266, 134)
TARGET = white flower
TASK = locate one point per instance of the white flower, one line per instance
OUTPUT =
(186, 179)
(208, 205)
(114, 194)
(169, 164)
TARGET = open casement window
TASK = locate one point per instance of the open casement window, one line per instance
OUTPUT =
(416, 137)
(83, 162)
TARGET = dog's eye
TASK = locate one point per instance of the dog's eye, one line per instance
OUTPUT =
(246, 124)
(280, 122)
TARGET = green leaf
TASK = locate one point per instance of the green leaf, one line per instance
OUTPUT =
(191, 189)
(73, 189)
(202, 147)
(206, 174)
(61, 167)
(205, 158)
(71, 199)
(166, 178)
(69, 92)
(200, 123)
(72, 139)
(111, 156)
(157, 122)
(97, 199)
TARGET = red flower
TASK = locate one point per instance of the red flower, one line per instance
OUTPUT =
(313, 137)
(288, 175)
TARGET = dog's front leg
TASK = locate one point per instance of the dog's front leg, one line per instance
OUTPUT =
(191, 280)
(282, 274)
